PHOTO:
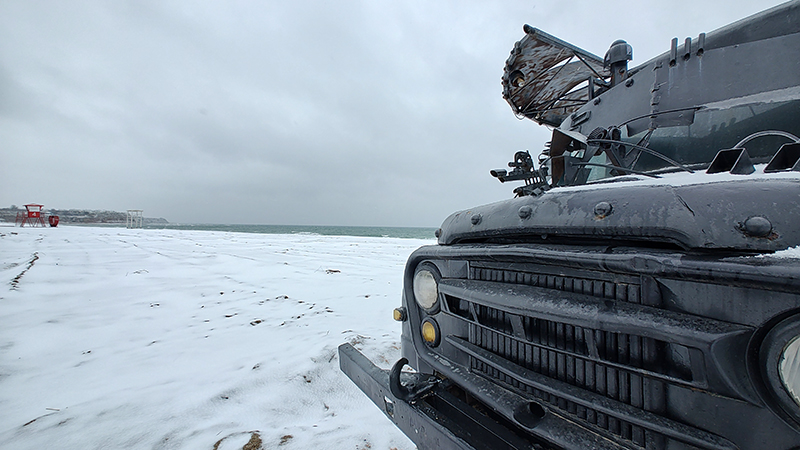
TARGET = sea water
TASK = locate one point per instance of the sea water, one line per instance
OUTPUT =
(393, 232)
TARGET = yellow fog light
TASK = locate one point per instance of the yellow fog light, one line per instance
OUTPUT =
(399, 314)
(430, 332)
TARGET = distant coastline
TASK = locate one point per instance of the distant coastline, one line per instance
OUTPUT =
(116, 219)
(79, 216)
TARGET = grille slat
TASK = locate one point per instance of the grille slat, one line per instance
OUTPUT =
(573, 354)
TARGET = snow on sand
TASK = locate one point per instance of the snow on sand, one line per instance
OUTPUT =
(114, 338)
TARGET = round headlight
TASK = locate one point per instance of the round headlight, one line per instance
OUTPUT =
(780, 363)
(789, 368)
(426, 290)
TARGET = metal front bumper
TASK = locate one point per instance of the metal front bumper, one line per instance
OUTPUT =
(426, 431)
(426, 410)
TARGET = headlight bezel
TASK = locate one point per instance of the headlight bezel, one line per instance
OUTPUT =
(773, 351)
(434, 276)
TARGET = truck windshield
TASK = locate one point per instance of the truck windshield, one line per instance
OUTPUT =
(711, 130)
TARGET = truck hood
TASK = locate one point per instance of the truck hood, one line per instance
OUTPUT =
(693, 211)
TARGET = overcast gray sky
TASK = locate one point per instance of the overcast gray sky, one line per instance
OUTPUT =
(275, 112)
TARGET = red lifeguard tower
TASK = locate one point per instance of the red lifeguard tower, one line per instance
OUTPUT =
(33, 217)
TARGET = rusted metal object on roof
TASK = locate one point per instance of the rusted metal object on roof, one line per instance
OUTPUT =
(546, 79)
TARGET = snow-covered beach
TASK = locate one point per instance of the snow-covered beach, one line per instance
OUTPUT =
(115, 338)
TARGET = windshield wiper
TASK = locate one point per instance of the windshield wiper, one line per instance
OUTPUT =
(611, 166)
(643, 149)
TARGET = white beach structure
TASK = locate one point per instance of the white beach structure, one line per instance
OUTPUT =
(135, 218)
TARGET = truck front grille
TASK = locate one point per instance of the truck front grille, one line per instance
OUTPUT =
(602, 362)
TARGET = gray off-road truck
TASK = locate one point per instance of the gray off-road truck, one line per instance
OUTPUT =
(642, 289)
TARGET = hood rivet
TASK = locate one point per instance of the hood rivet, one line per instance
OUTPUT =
(757, 226)
(476, 219)
(525, 212)
(602, 209)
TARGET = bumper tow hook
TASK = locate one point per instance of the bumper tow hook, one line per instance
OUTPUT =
(413, 386)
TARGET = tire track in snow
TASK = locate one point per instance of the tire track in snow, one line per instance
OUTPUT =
(15, 282)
